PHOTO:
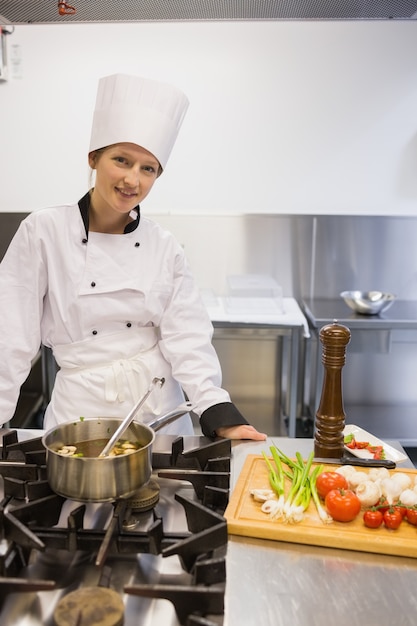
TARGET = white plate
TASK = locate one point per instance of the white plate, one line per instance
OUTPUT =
(362, 435)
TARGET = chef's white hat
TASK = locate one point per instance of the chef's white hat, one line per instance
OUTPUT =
(138, 110)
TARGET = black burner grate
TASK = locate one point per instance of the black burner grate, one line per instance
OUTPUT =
(30, 512)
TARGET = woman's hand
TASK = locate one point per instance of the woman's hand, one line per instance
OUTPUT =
(242, 431)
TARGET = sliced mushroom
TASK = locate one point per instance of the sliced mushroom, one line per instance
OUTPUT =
(67, 450)
(262, 495)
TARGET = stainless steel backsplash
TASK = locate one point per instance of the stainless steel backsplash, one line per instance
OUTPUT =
(335, 253)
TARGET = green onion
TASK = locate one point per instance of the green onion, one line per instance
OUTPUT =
(276, 480)
(303, 486)
(323, 514)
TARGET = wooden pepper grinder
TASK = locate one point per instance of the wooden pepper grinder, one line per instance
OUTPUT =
(330, 416)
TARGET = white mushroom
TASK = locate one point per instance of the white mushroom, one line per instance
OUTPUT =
(408, 497)
(346, 471)
(67, 450)
(402, 479)
(355, 479)
(273, 508)
(391, 489)
(368, 492)
(262, 495)
(378, 473)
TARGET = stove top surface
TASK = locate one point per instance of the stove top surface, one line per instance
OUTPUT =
(167, 563)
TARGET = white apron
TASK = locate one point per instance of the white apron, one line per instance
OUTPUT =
(105, 377)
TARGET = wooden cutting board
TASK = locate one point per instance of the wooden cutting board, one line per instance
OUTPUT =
(244, 517)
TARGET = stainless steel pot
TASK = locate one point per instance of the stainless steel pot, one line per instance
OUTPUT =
(108, 478)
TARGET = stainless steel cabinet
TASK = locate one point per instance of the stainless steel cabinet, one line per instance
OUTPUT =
(262, 371)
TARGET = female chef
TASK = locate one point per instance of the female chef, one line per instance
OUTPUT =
(110, 291)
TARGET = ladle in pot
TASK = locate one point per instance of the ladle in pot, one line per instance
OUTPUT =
(129, 418)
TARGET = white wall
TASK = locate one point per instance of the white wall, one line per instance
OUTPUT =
(285, 117)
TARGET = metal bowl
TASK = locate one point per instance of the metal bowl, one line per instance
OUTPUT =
(368, 302)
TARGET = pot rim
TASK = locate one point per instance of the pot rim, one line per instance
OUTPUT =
(98, 420)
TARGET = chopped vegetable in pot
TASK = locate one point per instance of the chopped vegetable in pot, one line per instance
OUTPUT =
(92, 448)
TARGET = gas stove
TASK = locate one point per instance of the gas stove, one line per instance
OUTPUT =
(163, 551)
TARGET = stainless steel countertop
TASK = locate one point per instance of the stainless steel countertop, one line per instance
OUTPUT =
(280, 584)
(401, 315)
(274, 583)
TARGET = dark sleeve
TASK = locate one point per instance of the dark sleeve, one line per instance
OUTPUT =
(219, 415)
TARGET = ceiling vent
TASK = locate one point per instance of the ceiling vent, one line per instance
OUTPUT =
(54, 11)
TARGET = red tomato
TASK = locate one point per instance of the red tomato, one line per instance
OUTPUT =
(362, 445)
(373, 518)
(343, 504)
(411, 516)
(377, 451)
(402, 509)
(326, 481)
(392, 518)
(382, 504)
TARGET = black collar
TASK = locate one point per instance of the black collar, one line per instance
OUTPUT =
(84, 206)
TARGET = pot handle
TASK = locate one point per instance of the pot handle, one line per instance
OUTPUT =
(167, 418)
(129, 418)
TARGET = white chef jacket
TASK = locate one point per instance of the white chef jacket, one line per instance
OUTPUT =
(117, 310)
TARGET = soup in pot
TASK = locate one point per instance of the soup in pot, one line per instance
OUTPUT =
(92, 448)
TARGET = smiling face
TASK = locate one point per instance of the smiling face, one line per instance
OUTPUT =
(125, 174)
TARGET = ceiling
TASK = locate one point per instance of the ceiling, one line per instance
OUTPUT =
(47, 11)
